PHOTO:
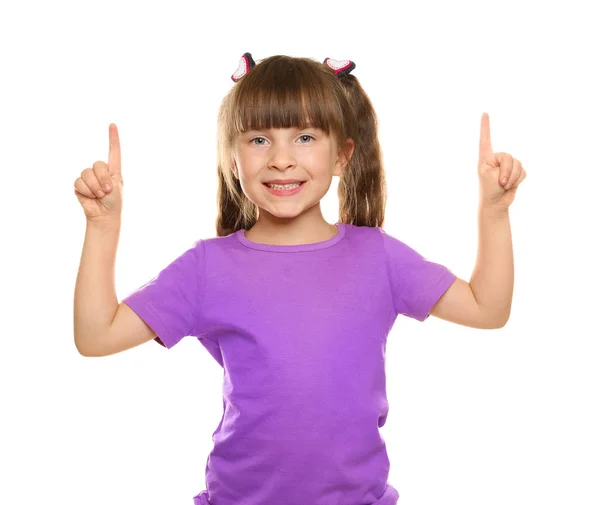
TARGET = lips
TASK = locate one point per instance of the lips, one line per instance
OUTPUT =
(282, 191)
(283, 181)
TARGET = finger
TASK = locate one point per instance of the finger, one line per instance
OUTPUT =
(102, 172)
(82, 187)
(485, 142)
(89, 176)
(506, 167)
(514, 175)
(114, 150)
(521, 178)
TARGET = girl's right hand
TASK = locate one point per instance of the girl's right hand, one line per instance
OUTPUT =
(100, 204)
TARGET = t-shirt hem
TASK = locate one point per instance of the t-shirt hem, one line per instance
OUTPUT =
(390, 497)
(151, 319)
(435, 292)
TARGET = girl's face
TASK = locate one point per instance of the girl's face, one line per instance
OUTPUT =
(308, 155)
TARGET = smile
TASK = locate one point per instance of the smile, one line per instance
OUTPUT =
(284, 190)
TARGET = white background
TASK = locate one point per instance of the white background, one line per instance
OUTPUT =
(505, 416)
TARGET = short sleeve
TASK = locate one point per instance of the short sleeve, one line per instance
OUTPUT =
(416, 283)
(170, 302)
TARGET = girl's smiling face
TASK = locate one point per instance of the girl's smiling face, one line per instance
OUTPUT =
(303, 154)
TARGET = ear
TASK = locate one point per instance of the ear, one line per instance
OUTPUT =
(343, 157)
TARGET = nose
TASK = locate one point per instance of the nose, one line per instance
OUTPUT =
(282, 158)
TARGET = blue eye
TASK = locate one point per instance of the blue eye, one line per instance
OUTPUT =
(262, 138)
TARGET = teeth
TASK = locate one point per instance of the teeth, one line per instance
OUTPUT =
(285, 186)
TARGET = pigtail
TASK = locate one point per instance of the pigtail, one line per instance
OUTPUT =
(235, 211)
(362, 189)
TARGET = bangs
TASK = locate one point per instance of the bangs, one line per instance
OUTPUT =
(284, 93)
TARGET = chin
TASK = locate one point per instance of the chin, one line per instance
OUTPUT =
(282, 212)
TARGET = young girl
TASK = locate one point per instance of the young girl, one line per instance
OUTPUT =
(296, 310)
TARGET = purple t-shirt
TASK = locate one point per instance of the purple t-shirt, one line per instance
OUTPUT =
(300, 332)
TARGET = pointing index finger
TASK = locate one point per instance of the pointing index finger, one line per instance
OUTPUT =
(485, 142)
(114, 150)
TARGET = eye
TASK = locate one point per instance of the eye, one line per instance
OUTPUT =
(252, 141)
(257, 138)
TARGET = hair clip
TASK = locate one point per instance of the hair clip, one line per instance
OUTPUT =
(246, 64)
(339, 67)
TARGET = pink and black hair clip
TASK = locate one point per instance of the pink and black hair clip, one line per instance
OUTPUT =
(246, 64)
(338, 67)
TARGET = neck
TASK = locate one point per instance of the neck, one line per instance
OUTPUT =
(307, 228)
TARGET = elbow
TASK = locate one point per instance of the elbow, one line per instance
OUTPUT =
(498, 322)
(81, 349)
(494, 319)
(499, 325)
(505, 319)
(85, 350)
(78, 345)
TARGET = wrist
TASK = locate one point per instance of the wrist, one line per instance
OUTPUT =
(493, 211)
(104, 224)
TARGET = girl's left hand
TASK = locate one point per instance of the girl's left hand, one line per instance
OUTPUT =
(499, 173)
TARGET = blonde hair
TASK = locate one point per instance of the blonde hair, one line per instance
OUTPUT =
(282, 92)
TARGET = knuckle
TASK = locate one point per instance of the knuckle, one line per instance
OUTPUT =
(82, 187)
(89, 177)
(91, 182)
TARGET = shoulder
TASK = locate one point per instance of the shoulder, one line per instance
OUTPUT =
(365, 240)
(226, 242)
(363, 232)
(375, 240)
(369, 232)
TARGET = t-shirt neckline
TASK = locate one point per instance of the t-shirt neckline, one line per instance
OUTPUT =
(294, 248)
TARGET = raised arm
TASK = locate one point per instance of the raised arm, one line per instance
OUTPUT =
(102, 326)
(485, 301)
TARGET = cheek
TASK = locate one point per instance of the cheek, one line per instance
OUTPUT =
(248, 166)
(319, 161)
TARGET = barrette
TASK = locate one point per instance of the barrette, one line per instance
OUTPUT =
(339, 67)
(246, 64)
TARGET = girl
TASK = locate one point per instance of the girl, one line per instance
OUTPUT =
(296, 310)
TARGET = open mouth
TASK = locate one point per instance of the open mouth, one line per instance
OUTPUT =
(284, 189)
(284, 186)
